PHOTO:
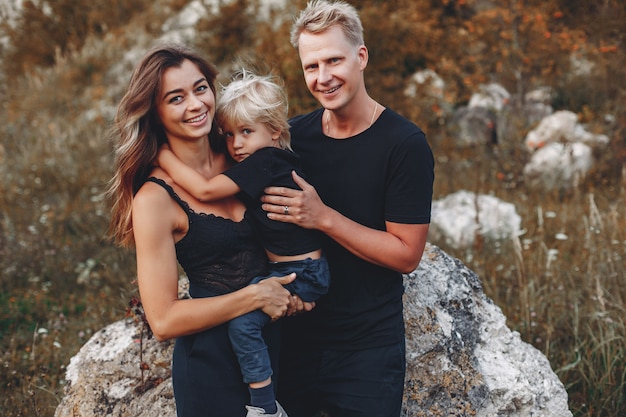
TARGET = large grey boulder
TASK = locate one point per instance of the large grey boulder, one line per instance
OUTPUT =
(462, 360)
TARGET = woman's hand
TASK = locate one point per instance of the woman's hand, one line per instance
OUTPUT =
(275, 298)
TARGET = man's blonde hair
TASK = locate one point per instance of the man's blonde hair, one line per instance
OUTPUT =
(320, 15)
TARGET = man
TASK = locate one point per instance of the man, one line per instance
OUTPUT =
(371, 172)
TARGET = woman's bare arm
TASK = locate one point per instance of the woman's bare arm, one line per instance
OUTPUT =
(155, 218)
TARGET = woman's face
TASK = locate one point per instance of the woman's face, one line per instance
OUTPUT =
(185, 104)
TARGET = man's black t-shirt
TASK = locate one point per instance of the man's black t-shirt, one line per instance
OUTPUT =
(383, 174)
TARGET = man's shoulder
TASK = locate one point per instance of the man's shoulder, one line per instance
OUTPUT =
(399, 130)
(306, 118)
(399, 121)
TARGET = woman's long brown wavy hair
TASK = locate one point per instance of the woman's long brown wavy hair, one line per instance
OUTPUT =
(137, 132)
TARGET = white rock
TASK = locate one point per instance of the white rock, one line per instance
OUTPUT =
(562, 126)
(557, 127)
(558, 166)
(429, 80)
(458, 218)
(490, 96)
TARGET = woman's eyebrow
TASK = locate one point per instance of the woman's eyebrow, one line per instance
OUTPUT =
(178, 90)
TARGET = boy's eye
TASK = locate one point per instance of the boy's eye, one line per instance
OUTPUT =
(247, 131)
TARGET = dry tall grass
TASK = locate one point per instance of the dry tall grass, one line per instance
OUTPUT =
(560, 285)
(60, 279)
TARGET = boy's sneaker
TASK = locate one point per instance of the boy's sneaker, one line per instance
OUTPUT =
(259, 412)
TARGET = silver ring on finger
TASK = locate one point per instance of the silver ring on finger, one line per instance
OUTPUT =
(286, 210)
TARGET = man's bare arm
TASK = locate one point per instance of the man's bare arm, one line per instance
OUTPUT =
(399, 247)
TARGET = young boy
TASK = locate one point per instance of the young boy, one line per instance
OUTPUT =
(252, 116)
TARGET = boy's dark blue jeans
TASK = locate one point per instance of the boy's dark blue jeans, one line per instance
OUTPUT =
(312, 281)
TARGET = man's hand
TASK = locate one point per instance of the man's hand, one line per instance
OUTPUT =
(398, 247)
(302, 207)
(296, 306)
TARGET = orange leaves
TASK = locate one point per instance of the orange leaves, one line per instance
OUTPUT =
(458, 2)
(527, 38)
(565, 36)
(506, 35)
(436, 109)
(608, 49)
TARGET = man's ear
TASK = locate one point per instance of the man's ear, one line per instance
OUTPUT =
(363, 54)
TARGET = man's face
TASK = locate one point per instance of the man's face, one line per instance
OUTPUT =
(333, 68)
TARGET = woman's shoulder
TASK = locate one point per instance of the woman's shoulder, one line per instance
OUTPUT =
(154, 193)
(151, 197)
(154, 208)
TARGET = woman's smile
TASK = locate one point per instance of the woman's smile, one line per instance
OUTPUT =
(197, 119)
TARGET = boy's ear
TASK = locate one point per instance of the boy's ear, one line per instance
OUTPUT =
(276, 134)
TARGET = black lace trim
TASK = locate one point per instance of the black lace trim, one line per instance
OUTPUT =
(183, 203)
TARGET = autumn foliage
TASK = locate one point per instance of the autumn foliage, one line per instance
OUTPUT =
(59, 93)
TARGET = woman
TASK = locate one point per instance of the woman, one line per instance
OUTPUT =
(171, 99)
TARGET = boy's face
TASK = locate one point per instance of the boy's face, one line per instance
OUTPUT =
(245, 139)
